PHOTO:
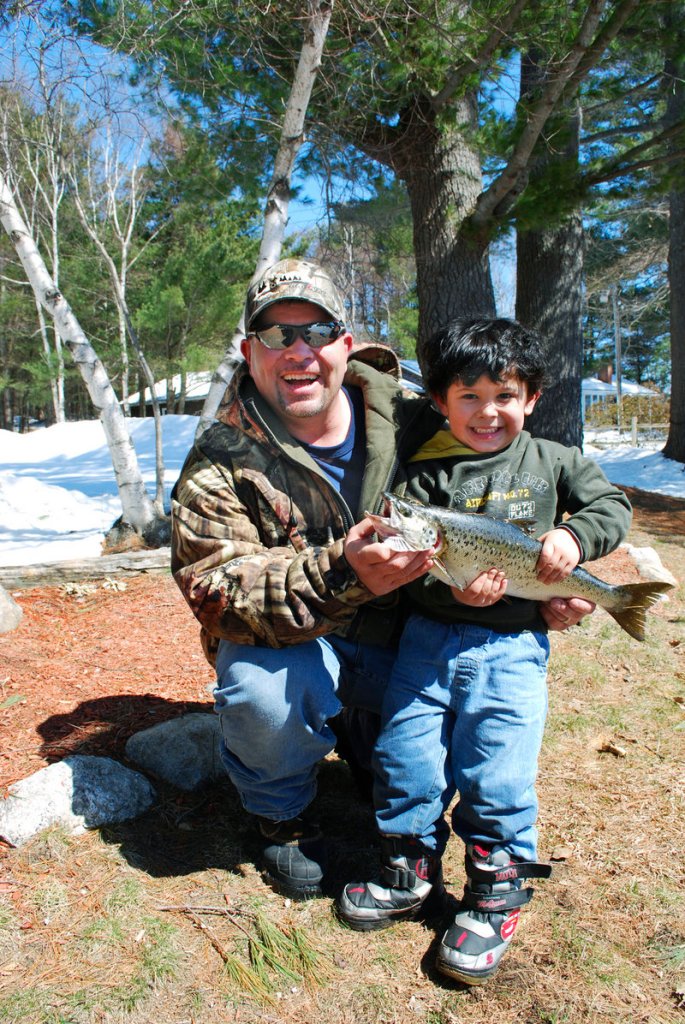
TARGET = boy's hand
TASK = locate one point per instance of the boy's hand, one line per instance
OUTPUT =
(559, 556)
(486, 589)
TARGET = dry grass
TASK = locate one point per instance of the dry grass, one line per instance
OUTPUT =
(85, 936)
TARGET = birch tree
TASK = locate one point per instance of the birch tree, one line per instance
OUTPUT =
(115, 203)
(315, 29)
(137, 507)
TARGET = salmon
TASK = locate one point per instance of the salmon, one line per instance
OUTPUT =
(468, 543)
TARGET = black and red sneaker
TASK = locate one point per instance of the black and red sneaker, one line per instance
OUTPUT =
(487, 916)
(411, 876)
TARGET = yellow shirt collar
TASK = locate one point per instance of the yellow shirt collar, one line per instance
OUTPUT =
(440, 446)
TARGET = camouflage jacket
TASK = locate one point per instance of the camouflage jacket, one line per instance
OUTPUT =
(257, 529)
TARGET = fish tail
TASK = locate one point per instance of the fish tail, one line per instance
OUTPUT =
(637, 598)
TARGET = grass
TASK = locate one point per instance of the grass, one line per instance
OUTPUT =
(151, 923)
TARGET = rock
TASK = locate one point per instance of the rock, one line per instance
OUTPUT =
(183, 751)
(10, 612)
(649, 565)
(80, 792)
(121, 536)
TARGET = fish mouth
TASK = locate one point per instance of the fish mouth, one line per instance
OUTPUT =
(383, 525)
(404, 517)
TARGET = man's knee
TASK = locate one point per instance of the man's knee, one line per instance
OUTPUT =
(273, 695)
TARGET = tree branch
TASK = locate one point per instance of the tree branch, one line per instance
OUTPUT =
(458, 75)
(503, 191)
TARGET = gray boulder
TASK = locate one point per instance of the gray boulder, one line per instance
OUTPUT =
(80, 792)
(10, 612)
(183, 751)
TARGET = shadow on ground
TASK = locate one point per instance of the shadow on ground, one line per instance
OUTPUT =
(192, 832)
(102, 726)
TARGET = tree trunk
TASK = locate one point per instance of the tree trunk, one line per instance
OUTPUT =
(674, 72)
(675, 445)
(278, 196)
(137, 508)
(549, 280)
(548, 298)
(443, 176)
(118, 280)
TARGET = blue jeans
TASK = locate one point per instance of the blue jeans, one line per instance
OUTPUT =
(274, 705)
(464, 711)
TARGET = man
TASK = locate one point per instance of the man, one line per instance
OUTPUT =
(271, 549)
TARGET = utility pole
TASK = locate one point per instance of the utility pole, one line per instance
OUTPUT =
(617, 345)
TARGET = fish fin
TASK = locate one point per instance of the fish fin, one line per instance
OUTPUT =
(440, 572)
(528, 525)
(396, 542)
(639, 597)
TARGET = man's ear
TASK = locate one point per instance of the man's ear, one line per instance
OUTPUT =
(246, 350)
(531, 402)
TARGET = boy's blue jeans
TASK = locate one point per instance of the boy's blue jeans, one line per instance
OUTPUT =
(464, 711)
(274, 705)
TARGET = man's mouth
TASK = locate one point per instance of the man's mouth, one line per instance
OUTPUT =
(300, 378)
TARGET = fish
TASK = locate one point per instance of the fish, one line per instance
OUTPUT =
(468, 543)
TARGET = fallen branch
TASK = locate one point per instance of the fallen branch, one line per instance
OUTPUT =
(48, 573)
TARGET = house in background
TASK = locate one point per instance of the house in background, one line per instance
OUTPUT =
(603, 387)
(197, 386)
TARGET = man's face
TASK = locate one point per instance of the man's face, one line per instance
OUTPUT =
(300, 383)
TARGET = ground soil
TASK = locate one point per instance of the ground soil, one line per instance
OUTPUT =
(88, 667)
(147, 921)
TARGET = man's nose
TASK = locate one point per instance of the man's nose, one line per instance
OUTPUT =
(299, 345)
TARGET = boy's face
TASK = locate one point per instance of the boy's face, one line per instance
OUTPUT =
(487, 415)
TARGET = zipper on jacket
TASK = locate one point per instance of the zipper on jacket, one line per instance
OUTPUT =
(347, 516)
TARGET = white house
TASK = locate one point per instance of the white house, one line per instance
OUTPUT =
(197, 386)
(593, 389)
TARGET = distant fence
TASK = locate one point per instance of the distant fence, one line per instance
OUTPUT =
(637, 433)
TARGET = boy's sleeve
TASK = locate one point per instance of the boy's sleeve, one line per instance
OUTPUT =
(600, 513)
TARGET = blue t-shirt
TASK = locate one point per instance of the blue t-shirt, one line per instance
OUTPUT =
(344, 463)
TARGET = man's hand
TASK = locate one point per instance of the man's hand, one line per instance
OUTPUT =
(378, 566)
(487, 588)
(559, 556)
(559, 613)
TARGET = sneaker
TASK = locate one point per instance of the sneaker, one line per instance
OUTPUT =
(487, 916)
(410, 875)
(293, 856)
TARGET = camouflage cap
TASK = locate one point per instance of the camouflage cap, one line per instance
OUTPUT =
(295, 279)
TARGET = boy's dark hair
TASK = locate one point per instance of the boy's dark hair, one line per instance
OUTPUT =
(468, 347)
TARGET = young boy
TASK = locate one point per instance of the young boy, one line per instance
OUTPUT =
(465, 708)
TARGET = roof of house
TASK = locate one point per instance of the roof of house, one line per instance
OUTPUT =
(595, 386)
(197, 386)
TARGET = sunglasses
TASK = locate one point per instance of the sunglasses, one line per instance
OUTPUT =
(316, 335)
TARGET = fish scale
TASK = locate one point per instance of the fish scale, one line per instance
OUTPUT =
(469, 543)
